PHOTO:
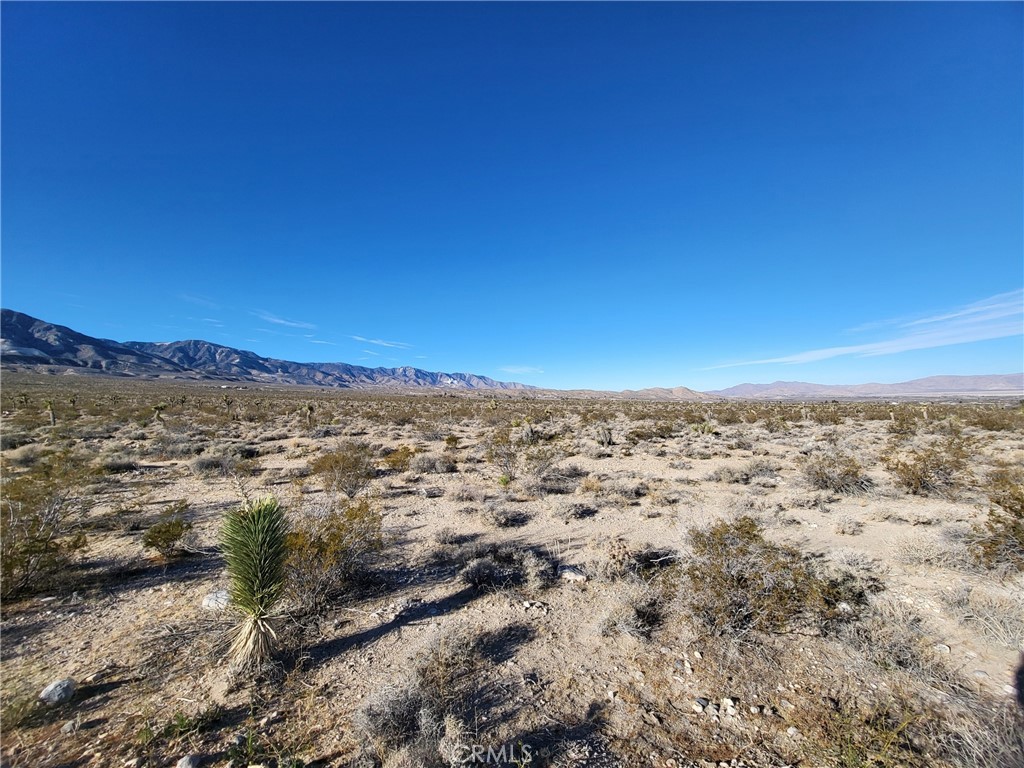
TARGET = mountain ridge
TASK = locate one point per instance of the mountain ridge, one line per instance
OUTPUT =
(28, 342)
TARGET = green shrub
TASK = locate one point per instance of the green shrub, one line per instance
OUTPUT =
(939, 468)
(328, 547)
(835, 471)
(398, 460)
(742, 583)
(166, 536)
(348, 470)
(40, 521)
(505, 452)
(254, 542)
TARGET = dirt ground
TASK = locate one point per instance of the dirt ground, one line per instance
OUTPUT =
(538, 587)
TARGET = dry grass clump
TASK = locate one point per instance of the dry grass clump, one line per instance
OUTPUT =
(948, 549)
(741, 583)
(996, 613)
(835, 470)
(849, 526)
(419, 721)
(635, 609)
(892, 636)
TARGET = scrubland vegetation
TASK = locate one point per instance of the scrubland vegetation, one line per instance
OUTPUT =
(296, 577)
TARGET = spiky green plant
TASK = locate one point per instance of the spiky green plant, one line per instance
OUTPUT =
(254, 542)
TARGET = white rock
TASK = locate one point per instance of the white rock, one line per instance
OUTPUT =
(942, 648)
(571, 573)
(216, 601)
(58, 692)
(189, 761)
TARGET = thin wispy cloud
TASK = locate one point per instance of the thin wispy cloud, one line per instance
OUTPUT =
(520, 369)
(201, 301)
(264, 315)
(213, 321)
(382, 342)
(996, 317)
(371, 352)
(321, 341)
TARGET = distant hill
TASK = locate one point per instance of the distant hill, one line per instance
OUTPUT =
(933, 386)
(31, 344)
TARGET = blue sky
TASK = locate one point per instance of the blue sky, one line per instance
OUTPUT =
(570, 195)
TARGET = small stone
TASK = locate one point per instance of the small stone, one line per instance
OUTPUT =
(755, 710)
(700, 704)
(58, 692)
(69, 727)
(981, 674)
(786, 704)
(189, 761)
(942, 648)
(696, 655)
(216, 601)
(728, 701)
(431, 493)
(571, 573)
(793, 732)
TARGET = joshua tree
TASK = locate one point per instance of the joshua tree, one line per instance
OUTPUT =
(254, 543)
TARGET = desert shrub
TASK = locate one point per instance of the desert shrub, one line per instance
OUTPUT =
(398, 459)
(118, 465)
(348, 469)
(835, 471)
(745, 474)
(996, 419)
(998, 542)
(212, 466)
(40, 525)
(11, 440)
(25, 456)
(254, 540)
(167, 535)
(826, 415)
(938, 468)
(742, 583)
(329, 546)
(505, 451)
(903, 423)
(495, 567)
(500, 516)
(430, 463)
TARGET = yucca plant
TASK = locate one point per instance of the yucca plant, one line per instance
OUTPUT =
(254, 542)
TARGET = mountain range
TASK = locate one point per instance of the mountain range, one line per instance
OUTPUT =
(27, 343)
